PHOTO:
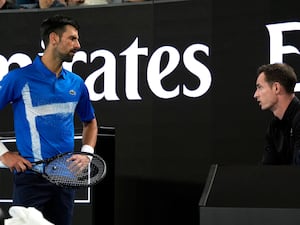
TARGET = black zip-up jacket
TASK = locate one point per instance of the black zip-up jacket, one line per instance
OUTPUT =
(283, 138)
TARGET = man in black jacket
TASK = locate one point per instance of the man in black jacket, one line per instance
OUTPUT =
(275, 92)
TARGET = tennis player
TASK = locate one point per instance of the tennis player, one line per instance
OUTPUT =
(45, 97)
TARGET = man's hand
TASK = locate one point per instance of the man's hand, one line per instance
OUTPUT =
(15, 162)
(78, 162)
(2, 3)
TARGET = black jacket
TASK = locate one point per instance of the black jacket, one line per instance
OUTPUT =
(283, 138)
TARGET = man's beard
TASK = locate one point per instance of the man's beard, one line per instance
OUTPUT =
(67, 57)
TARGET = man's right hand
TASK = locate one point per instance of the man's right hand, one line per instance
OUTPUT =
(15, 162)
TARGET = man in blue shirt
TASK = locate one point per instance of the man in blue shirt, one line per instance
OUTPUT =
(45, 98)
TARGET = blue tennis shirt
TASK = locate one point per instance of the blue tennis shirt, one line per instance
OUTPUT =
(44, 108)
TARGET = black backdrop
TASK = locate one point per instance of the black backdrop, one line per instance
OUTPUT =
(165, 146)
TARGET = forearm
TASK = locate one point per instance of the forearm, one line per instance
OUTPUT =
(89, 133)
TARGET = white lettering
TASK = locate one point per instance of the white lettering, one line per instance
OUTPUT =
(277, 49)
(109, 73)
(156, 73)
(155, 76)
(131, 82)
(198, 69)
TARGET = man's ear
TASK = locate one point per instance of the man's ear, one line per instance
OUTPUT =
(277, 87)
(53, 38)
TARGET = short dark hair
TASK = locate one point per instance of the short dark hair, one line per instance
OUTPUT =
(279, 72)
(55, 24)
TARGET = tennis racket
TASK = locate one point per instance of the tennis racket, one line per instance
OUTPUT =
(60, 171)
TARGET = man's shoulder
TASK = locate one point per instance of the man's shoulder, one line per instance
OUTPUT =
(17, 73)
(296, 117)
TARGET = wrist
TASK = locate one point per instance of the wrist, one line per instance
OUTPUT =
(87, 148)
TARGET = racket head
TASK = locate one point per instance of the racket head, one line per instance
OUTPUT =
(58, 170)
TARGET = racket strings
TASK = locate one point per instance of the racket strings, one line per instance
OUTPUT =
(61, 172)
